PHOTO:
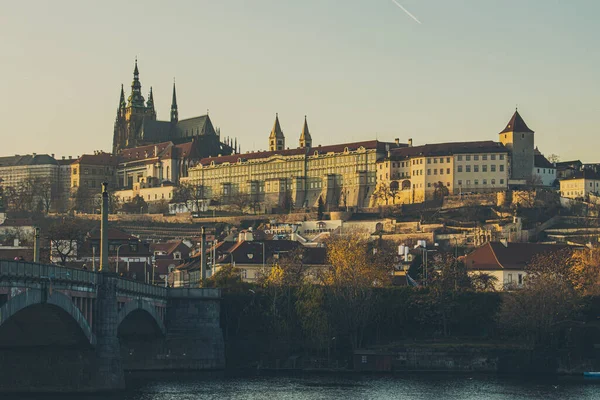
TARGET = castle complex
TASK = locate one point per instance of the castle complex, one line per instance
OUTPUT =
(136, 125)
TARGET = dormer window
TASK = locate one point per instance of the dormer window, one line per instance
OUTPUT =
(177, 255)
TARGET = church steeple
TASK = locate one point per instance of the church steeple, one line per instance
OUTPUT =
(150, 103)
(136, 99)
(174, 112)
(276, 138)
(305, 138)
(122, 103)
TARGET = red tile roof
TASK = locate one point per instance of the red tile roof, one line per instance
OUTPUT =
(143, 152)
(335, 148)
(494, 256)
(98, 159)
(443, 149)
(516, 124)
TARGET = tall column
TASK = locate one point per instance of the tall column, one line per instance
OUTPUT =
(36, 246)
(104, 230)
(203, 256)
(108, 350)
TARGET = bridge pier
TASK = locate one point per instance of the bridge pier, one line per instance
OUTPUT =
(108, 350)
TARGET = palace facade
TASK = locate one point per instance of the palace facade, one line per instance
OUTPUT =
(342, 175)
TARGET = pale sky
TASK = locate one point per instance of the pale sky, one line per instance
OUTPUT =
(359, 69)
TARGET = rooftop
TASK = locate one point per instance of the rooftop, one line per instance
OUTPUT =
(444, 149)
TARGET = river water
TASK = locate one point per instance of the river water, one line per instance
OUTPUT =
(342, 387)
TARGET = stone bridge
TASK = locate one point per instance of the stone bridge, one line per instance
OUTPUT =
(65, 329)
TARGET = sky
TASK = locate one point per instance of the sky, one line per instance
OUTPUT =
(359, 70)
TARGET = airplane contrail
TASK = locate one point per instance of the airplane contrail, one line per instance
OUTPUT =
(406, 11)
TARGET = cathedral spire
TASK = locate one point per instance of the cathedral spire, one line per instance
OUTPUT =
(136, 99)
(150, 103)
(122, 103)
(305, 138)
(174, 112)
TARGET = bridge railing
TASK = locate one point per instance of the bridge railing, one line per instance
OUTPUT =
(28, 270)
(139, 288)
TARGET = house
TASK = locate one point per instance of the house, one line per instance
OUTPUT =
(127, 254)
(506, 261)
(252, 258)
(167, 256)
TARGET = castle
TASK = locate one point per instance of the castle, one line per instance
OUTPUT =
(136, 125)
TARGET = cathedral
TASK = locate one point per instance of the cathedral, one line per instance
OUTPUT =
(136, 125)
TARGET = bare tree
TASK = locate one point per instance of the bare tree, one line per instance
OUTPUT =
(66, 236)
(240, 202)
(383, 192)
(191, 195)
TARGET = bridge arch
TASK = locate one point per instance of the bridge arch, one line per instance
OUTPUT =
(141, 306)
(34, 298)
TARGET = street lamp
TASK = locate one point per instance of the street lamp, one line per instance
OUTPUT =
(121, 245)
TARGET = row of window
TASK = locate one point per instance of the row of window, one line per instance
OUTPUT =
(550, 171)
(86, 171)
(476, 182)
(484, 168)
(435, 171)
(475, 157)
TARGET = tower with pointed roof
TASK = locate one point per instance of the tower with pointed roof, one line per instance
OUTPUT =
(136, 124)
(131, 114)
(174, 112)
(276, 138)
(305, 138)
(519, 139)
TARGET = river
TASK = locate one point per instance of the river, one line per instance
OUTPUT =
(342, 387)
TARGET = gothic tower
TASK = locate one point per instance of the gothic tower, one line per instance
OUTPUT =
(131, 115)
(305, 139)
(174, 112)
(518, 138)
(276, 138)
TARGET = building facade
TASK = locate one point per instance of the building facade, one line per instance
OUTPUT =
(136, 125)
(544, 172)
(342, 175)
(416, 174)
(580, 185)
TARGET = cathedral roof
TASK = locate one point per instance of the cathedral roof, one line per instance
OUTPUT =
(155, 131)
(201, 125)
(516, 124)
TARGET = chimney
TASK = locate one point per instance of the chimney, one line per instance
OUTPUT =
(397, 140)
(52, 155)
(34, 154)
(63, 157)
(70, 157)
(410, 142)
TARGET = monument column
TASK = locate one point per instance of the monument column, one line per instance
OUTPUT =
(108, 350)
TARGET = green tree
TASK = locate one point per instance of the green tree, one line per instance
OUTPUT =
(320, 208)
(137, 205)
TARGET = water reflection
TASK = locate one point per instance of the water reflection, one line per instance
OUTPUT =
(178, 386)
